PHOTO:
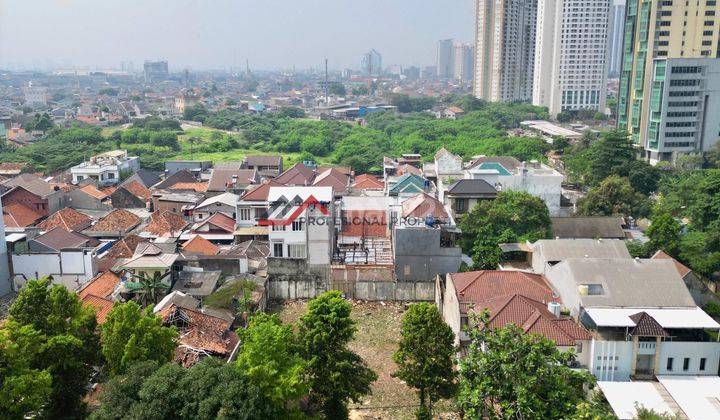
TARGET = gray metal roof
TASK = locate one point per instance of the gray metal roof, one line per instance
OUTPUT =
(197, 284)
(472, 187)
(640, 283)
(587, 227)
(562, 249)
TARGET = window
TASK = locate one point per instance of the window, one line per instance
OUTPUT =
(460, 205)
(111, 175)
(244, 214)
(686, 363)
(278, 228)
(702, 363)
(591, 289)
(297, 225)
(278, 249)
(297, 251)
(80, 178)
(685, 82)
(669, 363)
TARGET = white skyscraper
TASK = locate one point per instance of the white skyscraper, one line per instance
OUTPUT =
(445, 59)
(371, 63)
(571, 55)
(464, 62)
(504, 49)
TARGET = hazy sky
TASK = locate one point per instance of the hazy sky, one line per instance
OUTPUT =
(215, 34)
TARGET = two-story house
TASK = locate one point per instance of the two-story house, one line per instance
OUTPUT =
(107, 168)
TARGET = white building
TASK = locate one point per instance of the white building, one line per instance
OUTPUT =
(225, 203)
(301, 223)
(464, 57)
(507, 173)
(616, 22)
(107, 168)
(571, 50)
(35, 96)
(505, 49)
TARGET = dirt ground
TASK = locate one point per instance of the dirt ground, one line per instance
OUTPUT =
(375, 341)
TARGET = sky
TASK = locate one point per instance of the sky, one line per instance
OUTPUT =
(222, 34)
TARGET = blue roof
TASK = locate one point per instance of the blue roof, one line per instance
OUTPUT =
(493, 166)
(408, 183)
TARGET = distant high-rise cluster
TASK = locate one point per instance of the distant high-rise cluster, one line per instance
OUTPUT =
(155, 71)
(455, 61)
(371, 63)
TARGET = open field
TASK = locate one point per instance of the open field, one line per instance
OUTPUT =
(375, 341)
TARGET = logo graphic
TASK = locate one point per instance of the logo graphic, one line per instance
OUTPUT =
(277, 214)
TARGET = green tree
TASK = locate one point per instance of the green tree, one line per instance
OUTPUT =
(209, 389)
(701, 251)
(269, 358)
(613, 197)
(196, 112)
(664, 234)
(131, 335)
(337, 89)
(69, 346)
(334, 373)
(41, 122)
(644, 413)
(514, 216)
(608, 155)
(152, 285)
(643, 177)
(24, 390)
(510, 374)
(425, 355)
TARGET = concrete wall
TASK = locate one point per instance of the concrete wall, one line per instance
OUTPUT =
(78, 199)
(694, 350)
(419, 257)
(610, 360)
(70, 269)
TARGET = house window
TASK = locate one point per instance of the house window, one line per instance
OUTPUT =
(297, 225)
(111, 175)
(245, 214)
(702, 363)
(686, 363)
(669, 363)
(461, 205)
(277, 228)
(297, 251)
(278, 249)
(80, 178)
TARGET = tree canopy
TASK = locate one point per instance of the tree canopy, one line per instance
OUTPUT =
(514, 216)
(614, 196)
(425, 355)
(335, 375)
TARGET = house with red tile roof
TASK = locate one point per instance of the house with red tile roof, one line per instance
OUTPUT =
(297, 175)
(103, 285)
(130, 195)
(368, 182)
(166, 224)
(200, 245)
(101, 306)
(334, 178)
(422, 206)
(217, 227)
(117, 223)
(510, 297)
(68, 219)
(16, 215)
(34, 193)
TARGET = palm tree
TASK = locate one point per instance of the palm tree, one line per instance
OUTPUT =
(150, 285)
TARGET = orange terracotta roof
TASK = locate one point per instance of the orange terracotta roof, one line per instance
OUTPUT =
(16, 215)
(166, 224)
(101, 285)
(423, 205)
(219, 220)
(118, 220)
(102, 306)
(200, 245)
(66, 218)
(202, 331)
(479, 286)
(91, 190)
(368, 182)
(136, 189)
(191, 186)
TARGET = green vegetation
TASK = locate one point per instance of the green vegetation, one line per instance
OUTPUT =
(614, 197)
(48, 335)
(131, 335)
(425, 356)
(510, 374)
(514, 216)
(335, 375)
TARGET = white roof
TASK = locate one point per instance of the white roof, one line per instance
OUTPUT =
(14, 237)
(323, 194)
(697, 396)
(366, 202)
(623, 396)
(229, 199)
(666, 317)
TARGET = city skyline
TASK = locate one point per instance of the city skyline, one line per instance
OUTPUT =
(283, 35)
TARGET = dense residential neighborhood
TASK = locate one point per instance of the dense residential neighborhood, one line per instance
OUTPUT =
(240, 228)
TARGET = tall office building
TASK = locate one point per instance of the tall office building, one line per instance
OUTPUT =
(464, 62)
(615, 40)
(155, 71)
(445, 61)
(504, 49)
(571, 55)
(670, 79)
(371, 63)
